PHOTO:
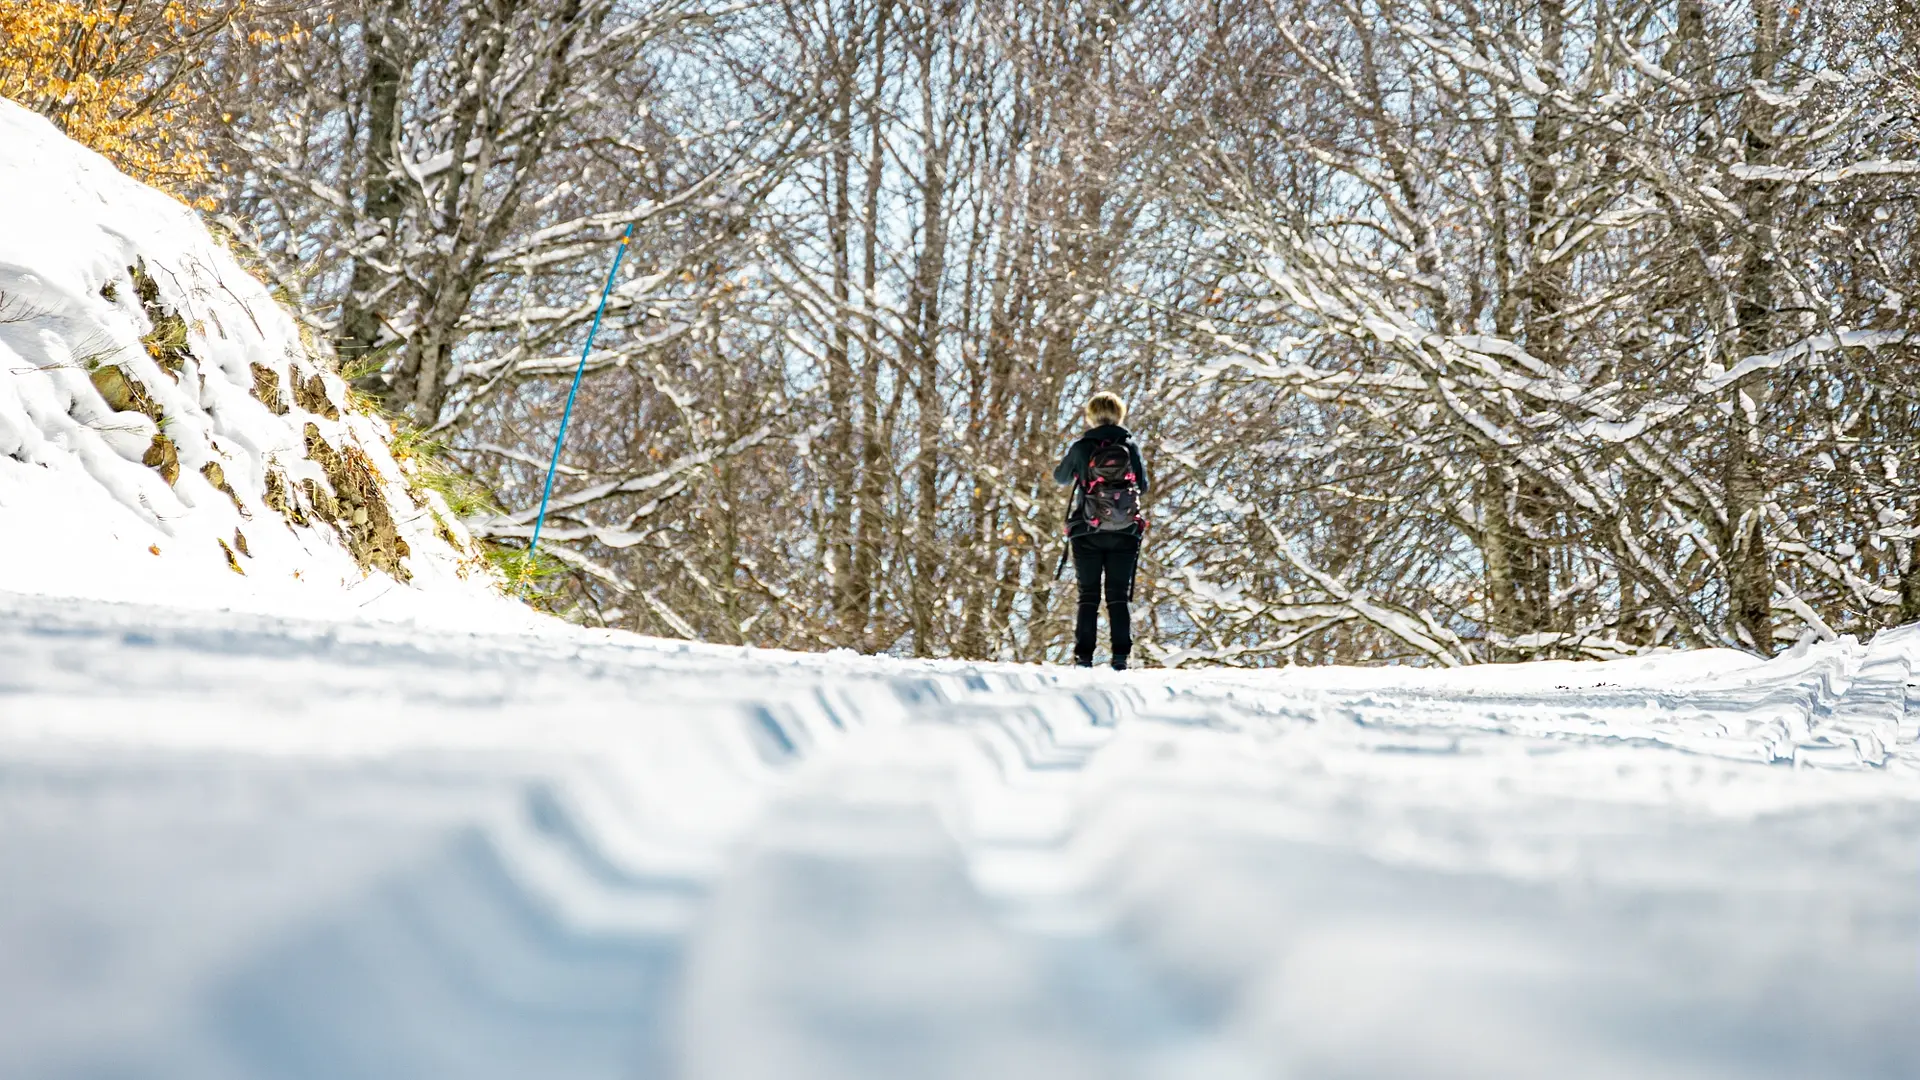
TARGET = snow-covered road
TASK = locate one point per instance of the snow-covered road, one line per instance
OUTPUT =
(239, 846)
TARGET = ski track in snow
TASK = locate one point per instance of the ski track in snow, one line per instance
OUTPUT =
(243, 846)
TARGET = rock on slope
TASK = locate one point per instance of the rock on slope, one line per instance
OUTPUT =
(166, 434)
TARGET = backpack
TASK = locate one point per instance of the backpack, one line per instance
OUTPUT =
(1110, 493)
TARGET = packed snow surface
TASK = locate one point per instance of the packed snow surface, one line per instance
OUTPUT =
(239, 845)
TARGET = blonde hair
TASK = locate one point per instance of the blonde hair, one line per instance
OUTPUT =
(1106, 407)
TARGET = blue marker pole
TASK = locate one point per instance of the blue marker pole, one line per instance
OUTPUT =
(558, 442)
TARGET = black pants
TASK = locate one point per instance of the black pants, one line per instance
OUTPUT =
(1111, 558)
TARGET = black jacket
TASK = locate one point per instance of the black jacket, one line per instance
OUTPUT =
(1073, 468)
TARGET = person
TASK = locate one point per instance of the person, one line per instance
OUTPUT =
(1104, 525)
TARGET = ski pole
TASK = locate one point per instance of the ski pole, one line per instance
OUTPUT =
(560, 440)
(1066, 545)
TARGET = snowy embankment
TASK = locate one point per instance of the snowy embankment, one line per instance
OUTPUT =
(166, 432)
(238, 846)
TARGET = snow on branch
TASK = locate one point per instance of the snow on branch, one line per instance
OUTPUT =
(1784, 174)
(650, 481)
(1810, 347)
(1420, 631)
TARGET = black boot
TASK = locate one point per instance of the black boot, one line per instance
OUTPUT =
(1120, 662)
(1083, 661)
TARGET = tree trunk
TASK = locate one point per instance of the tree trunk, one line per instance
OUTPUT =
(874, 443)
(1749, 570)
(843, 627)
(923, 341)
(360, 327)
(1497, 553)
(1543, 290)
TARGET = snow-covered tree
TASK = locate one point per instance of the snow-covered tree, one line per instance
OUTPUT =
(1457, 330)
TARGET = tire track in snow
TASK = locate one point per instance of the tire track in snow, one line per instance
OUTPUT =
(240, 846)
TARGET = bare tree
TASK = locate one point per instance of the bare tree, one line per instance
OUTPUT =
(1459, 329)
